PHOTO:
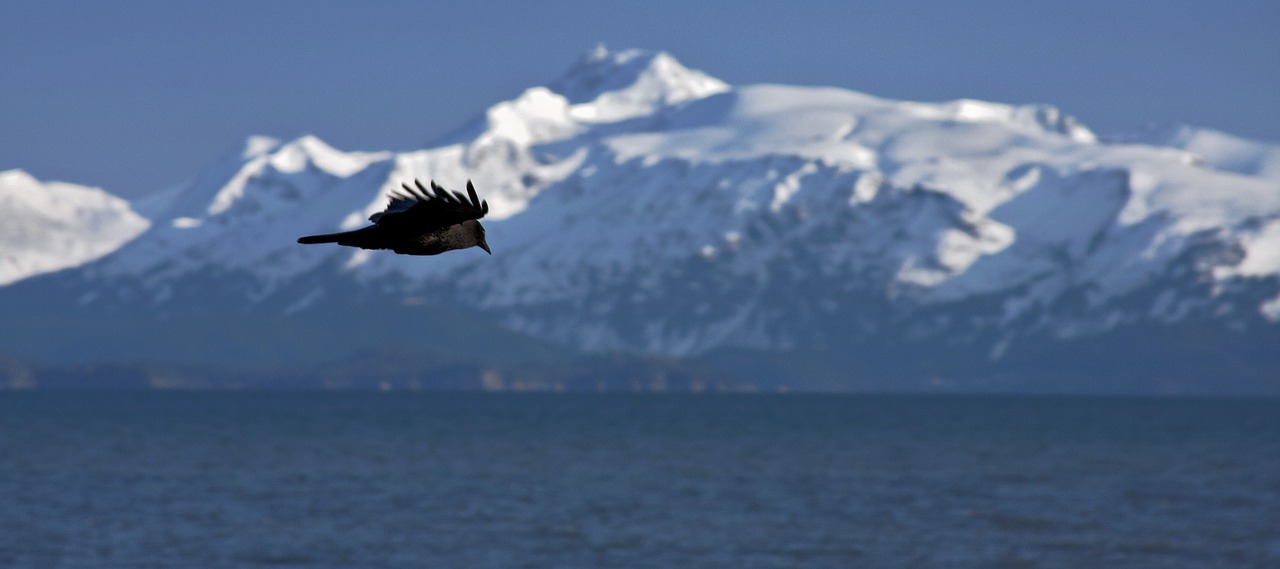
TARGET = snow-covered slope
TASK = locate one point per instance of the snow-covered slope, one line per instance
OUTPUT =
(46, 226)
(641, 206)
(1211, 148)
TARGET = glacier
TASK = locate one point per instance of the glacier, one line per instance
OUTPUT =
(642, 207)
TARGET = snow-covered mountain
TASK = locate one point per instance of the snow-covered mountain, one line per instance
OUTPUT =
(639, 206)
(54, 225)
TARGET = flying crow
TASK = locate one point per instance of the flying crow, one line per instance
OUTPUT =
(419, 222)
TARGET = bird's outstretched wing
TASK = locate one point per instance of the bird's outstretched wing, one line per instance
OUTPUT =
(425, 210)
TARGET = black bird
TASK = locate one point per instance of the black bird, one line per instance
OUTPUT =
(419, 222)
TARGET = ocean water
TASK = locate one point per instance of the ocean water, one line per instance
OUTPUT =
(391, 480)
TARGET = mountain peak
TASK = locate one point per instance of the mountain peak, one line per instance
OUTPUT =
(604, 86)
(295, 155)
(54, 225)
(619, 84)
(258, 145)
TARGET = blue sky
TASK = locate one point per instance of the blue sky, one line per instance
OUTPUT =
(139, 96)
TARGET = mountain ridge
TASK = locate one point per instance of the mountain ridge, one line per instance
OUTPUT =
(643, 208)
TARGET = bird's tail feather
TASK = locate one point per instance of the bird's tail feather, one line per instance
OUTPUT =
(326, 238)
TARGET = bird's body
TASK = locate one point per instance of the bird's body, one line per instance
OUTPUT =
(419, 222)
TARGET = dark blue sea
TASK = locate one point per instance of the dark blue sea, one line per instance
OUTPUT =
(394, 480)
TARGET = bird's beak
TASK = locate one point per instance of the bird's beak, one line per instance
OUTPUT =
(485, 246)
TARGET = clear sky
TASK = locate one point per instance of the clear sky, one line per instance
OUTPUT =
(138, 96)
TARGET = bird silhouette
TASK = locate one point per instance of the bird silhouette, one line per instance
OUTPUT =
(419, 221)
